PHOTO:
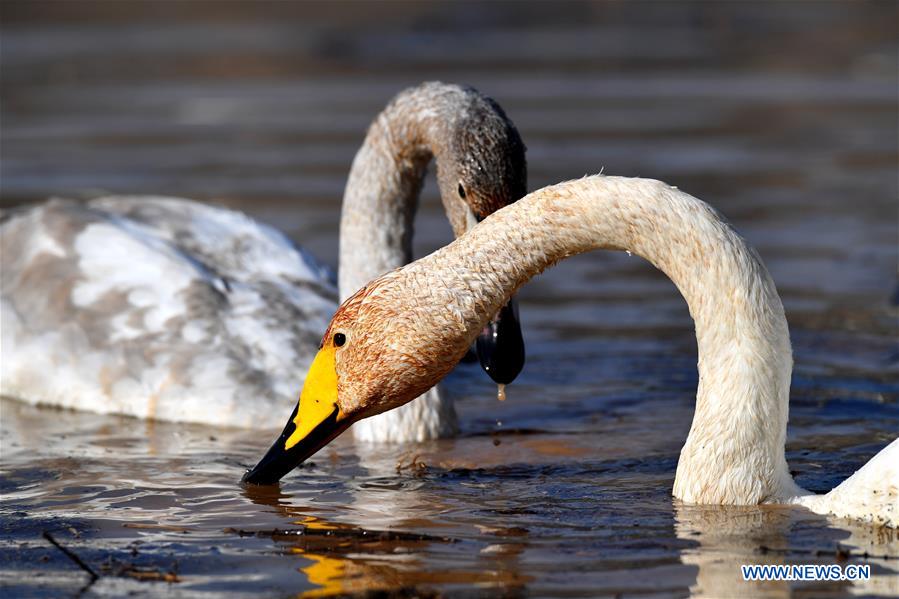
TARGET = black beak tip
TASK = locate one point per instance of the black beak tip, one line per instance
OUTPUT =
(275, 464)
(251, 477)
(278, 460)
(500, 346)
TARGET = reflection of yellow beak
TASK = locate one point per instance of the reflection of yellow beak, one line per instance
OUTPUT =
(318, 400)
(327, 573)
(315, 421)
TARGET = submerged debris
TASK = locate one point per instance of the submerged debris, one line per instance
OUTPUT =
(114, 567)
(416, 466)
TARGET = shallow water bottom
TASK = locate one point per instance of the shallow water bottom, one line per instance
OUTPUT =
(156, 507)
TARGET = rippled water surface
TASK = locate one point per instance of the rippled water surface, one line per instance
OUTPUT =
(782, 116)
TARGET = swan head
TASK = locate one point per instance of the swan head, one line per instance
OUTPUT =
(383, 348)
(481, 164)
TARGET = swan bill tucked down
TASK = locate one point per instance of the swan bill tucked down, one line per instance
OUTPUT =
(405, 331)
(369, 363)
(320, 421)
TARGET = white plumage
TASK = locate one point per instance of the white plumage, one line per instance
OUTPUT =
(869, 495)
(157, 308)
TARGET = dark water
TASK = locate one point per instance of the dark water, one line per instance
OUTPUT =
(783, 116)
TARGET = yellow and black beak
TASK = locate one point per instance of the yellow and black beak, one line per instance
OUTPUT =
(315, 421)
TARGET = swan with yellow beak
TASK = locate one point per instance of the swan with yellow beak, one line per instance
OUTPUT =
(369, 362)
(404, 331)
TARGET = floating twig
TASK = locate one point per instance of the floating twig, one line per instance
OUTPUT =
(359, 534)
(147, 574)
(71, 555)
(128, 569)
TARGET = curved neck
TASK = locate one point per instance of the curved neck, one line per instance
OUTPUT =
(735, 450)
(381, 195)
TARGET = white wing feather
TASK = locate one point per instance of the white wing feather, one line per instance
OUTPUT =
(157, 307)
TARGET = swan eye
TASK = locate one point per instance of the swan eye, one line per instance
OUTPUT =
(461, 191)
(339, 339)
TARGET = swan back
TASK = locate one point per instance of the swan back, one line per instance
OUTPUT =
(158, 308)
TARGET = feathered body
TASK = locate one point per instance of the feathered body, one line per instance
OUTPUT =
(157, 308)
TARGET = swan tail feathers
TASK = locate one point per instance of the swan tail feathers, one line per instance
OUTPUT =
(870, 495)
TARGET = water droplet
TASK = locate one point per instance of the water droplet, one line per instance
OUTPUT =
(629, 253)
(501, 392)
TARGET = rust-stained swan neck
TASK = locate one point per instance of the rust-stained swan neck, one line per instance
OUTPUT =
(742, 336)
(716, 271)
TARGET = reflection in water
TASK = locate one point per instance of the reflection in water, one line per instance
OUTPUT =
(881, 545)
(349, 559)
(728, 537)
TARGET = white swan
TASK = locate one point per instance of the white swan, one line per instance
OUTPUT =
(171, 309)
(390, 341)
